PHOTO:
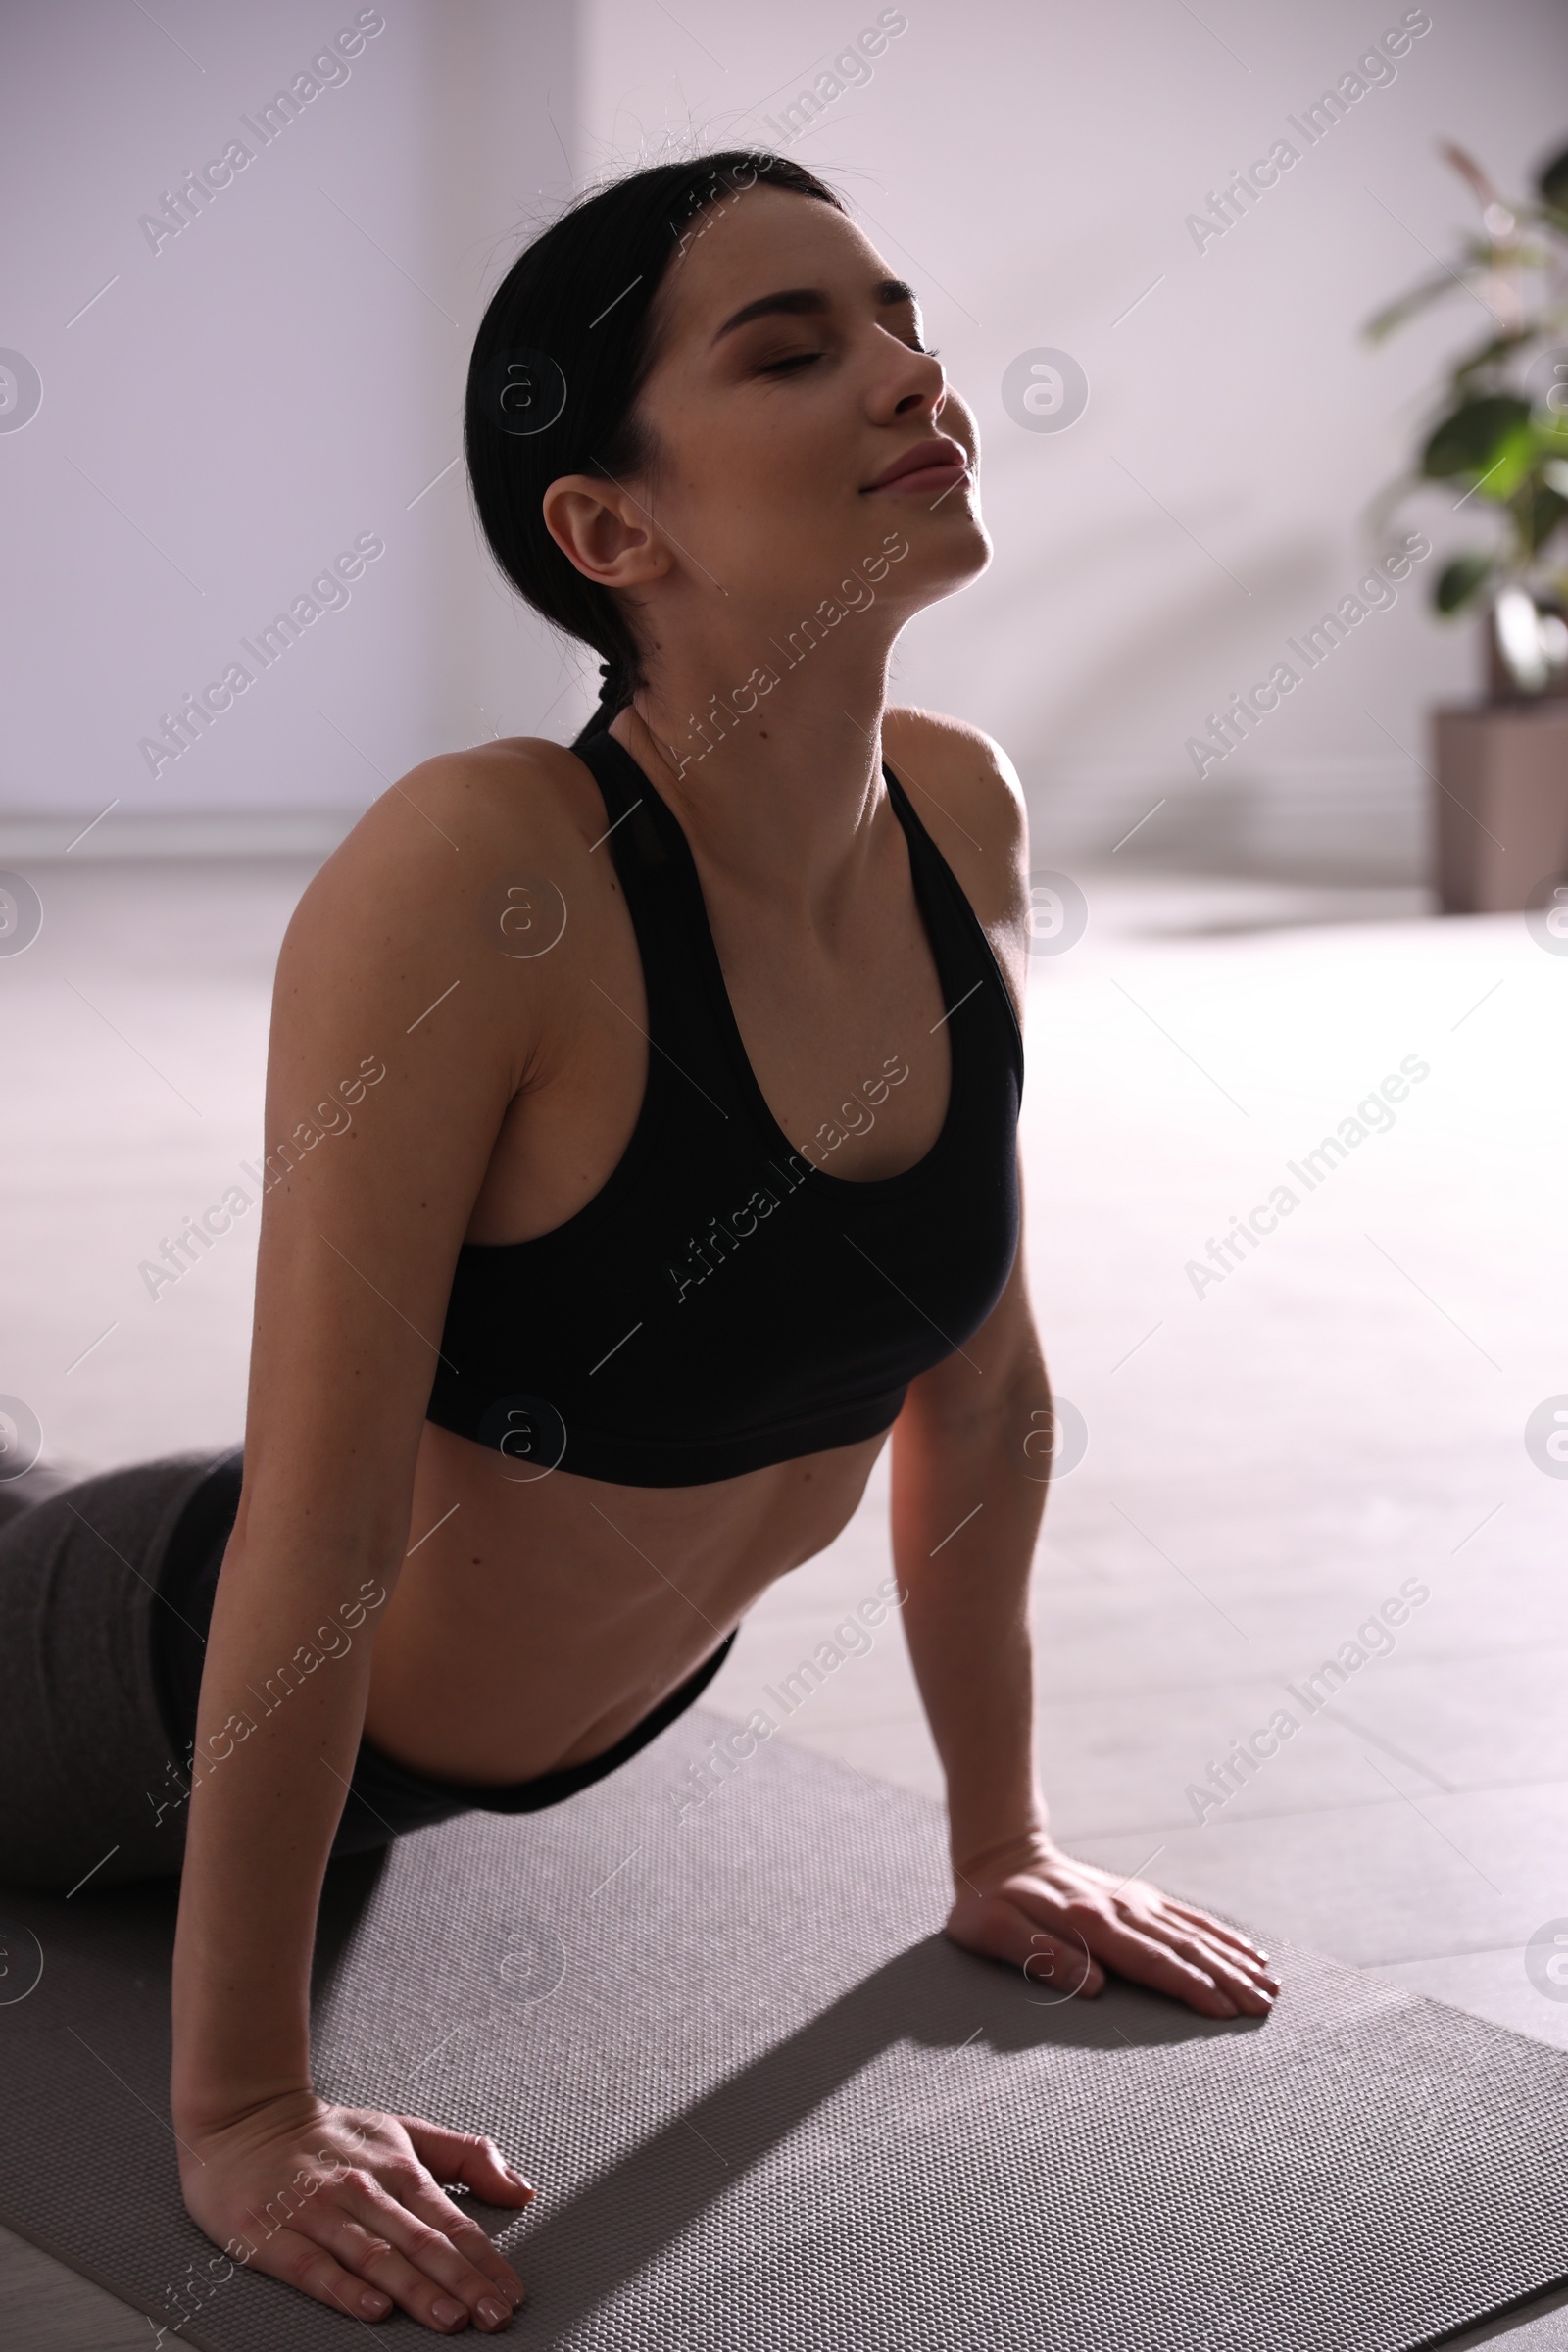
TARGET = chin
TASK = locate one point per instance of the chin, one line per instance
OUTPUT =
(945, 554)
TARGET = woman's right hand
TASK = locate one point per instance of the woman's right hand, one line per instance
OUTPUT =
(344, 2203)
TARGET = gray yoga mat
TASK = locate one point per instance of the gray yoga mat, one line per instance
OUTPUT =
(768, 2108)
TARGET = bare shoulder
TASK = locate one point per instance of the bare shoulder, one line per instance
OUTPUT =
(426, 900)
(969, 796)
(422, 864)
(969, 799)
(522, 795)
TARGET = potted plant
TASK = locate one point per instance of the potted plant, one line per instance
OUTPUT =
(1501, 439)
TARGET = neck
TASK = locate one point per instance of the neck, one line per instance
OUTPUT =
(776, 782)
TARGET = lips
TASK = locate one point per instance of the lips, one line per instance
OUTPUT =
(933, 465)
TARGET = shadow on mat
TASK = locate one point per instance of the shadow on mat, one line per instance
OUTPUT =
(576, 2253)
(931, 2002)
(124, 1915)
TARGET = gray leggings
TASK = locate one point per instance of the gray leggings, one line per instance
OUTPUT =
(92, 1788)
(86, 1762)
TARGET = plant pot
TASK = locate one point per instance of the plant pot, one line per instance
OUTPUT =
(1500, 804)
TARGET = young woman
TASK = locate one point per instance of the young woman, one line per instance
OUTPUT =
(682, 1168)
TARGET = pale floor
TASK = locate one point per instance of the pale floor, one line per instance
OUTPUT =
(1266, 1463)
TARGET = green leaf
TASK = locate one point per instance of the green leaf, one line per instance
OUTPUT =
(1475, 437)
(1460, 581)
(1512, 463)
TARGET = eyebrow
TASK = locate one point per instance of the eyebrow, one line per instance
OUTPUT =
(811, 302)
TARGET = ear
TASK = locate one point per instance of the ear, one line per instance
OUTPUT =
(604, 531)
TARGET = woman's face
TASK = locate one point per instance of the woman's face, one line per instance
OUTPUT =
(791, 375)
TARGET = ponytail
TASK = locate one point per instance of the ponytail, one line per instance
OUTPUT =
(614, 695)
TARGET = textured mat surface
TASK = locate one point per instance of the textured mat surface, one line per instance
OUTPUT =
(767, 2108)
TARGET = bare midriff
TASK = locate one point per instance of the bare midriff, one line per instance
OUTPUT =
(545, 1616)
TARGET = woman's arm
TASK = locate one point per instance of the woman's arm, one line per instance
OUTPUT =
(400, 1036)
(968, 1491)
(967, 1499)
(966, 1511)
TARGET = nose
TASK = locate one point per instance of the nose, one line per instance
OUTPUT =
(916, 381)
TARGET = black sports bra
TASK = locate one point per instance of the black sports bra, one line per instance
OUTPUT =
(723, 1302)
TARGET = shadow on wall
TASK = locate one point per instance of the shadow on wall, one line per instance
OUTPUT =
(1270, 814)
(1169, 640)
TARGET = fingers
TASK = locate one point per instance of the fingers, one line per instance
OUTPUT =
(1250, 1971)
(1235, 1963)
(1216, 1929)
(1246, 1991)
(1147, 1959)
(468, 2157)
(363, 2233)
(427, 2201)
(368, 2229)
(302, 2263)
(1140, 1899)
(475, 2160)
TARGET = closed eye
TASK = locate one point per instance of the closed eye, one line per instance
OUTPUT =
(803, 359)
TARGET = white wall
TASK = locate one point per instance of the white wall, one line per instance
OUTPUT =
(286, 373)
(243, 401)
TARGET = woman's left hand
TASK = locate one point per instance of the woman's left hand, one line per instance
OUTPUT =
(1064, 1923)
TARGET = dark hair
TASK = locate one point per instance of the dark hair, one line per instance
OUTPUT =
(562, 354)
